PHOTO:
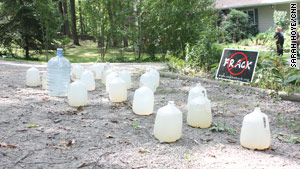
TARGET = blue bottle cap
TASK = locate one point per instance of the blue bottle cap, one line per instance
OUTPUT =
(59, 52)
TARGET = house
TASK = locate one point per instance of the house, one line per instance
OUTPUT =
(260, 11)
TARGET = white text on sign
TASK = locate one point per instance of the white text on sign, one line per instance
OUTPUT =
(241, 65)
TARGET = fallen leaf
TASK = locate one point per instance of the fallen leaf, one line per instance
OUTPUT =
(46, 99)
(5, 97)
(107, 135)
(229, 140)
(70, 143)
(82, 165)
(84, 120)
(4, 145)
(114, 121)
(143, 151)
(33, 126)
(211, 155)
(272, 148)
(79, 109)
(208, 139)
(133, 119)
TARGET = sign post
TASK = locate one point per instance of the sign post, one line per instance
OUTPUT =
(237, 65)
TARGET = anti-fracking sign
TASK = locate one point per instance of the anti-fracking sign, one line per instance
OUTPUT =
(237, 65)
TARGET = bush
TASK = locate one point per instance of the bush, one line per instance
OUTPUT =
(237, 26)
(281, 19)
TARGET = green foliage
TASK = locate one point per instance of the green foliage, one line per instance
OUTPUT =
(237, 26)
(175, 64)
(274, 73)
(217, 127)
(203, 54)
(27, 24)
(170, 25)
(281, 19)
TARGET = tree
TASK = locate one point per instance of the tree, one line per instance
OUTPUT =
(66, 24)
(280, 19)
(73, 18)
(19, 25)
(236, 25)
(80, 18)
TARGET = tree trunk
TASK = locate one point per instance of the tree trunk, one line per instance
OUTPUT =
(73, 17)
(26, 47)
(80, 18)
(61, 11)
(66, 24)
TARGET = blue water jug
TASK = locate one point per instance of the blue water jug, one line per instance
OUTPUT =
(58, 75)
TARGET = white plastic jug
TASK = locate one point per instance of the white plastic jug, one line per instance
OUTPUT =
(76, 72)
(143, 101)
(196, 91)
(168, 123)
(33, 77)
(148, 79)
(87, 78)
(199, 112)
(109, 78)
(105, 74)
(97, 70)
(156, 75)
(44, 81)
(77, 94)
(255, 132)
(126, 76)
(117, 90)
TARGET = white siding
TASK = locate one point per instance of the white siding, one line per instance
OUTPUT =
(265, 18)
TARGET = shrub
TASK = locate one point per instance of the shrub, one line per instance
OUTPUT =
(281, 19)
(237, 26)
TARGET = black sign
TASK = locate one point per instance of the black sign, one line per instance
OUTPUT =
(237, 65)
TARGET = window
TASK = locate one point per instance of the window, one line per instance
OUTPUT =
(251, 14)
(298, 17)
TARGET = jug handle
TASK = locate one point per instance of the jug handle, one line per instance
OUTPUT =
(266, 121)
(204, 92)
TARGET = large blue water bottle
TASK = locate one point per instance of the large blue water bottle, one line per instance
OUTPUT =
(58, 75)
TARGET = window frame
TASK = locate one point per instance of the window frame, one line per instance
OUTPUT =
(253, 10)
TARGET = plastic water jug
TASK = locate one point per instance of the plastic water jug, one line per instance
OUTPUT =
(58, 75)
(143, 101)
(76, 72)
(105, 74)
(97, 69)
(87, 77)
(156, 75)
(196, 91)
(199, 112)
(255, 132)
(126, 76)
(168, 123)
(109, 78)
(44, 81)
(77, 94)
(33, 77)
(107, 66)
(148, 79)
(117, 90)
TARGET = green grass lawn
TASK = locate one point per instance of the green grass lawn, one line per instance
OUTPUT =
(87, 52)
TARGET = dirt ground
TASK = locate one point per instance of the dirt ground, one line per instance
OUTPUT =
(39, 131)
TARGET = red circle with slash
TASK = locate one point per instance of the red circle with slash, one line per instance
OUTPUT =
(244, 58)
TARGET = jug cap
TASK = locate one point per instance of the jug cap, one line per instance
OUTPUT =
(198, 84)
(59, 52)
(257, 110)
